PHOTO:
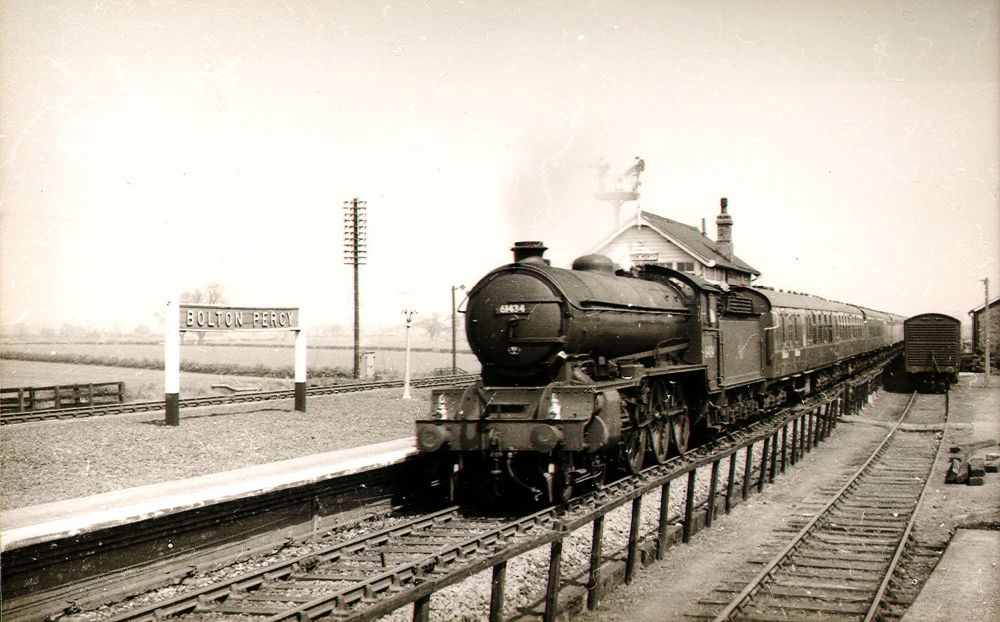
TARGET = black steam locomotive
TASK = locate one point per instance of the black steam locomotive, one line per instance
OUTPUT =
(593, 368)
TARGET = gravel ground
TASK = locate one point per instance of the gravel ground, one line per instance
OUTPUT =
(51, 461)
(689, 572)
(468, 600)
(659, 591)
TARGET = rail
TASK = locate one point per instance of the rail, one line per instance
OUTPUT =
(894, 508)
(94, 410)
(786, 436)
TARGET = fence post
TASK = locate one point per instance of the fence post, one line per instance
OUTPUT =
(774, 455)
(729, 483)
(496, 592)
(58, 403)
(20, 400)
(763, 464)
(784, 446)
(689, 505)
(713, 486)
(661, 545)
(422, 609)
(795, 441)
(593, 595)
(747, 469)
(633, 539)
(552, 589)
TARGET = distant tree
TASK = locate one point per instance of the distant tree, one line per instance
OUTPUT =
(69, 331)
(142, 331)
(211, 294)
(433, 325)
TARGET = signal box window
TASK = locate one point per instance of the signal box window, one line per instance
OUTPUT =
(684, 266)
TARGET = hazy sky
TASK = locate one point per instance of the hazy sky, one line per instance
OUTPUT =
(151, 146)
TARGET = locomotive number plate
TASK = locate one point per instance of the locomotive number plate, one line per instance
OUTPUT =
(512, 308)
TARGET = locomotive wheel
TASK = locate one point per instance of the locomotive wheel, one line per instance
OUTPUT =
(670, 428)
(658, 404)
(680, 432)
(633, 449)
(659, 440)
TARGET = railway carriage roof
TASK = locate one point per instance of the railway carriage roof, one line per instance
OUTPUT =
(932, 317)
(805, 301)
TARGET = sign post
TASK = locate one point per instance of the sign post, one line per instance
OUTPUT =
(300, 366)
(172, 362)
(210, 318)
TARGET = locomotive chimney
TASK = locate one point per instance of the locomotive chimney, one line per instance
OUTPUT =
(532, 249)
(724, 238)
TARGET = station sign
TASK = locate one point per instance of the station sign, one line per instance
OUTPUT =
(197, 317)
(645, 256)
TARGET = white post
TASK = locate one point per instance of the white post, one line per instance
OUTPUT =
(409, 313)
(172, 360)
(454, 344)
(300, 364)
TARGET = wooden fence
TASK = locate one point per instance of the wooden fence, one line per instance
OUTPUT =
(23, 399)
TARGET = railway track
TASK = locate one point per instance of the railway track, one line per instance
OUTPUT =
(217, 400)
(838, 565)
(365, 573)
(368, 577)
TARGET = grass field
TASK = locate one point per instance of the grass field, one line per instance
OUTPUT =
(147, 384)
(388, 362)
(140, 384)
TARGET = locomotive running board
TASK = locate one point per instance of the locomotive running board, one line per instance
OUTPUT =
(601, 385)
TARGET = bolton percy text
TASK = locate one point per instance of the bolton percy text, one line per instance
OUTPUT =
(228, 319)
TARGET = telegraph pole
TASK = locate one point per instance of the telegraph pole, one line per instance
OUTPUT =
(355, 240)
(986, 333)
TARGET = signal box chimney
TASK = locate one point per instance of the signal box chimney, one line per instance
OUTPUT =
(724, 238)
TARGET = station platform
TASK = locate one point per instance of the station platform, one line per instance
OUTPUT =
(74, 517)
(965, 585)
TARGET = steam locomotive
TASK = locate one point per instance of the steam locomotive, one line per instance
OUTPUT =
(593, 368)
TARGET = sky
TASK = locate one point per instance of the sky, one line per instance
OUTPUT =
(151, 147)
